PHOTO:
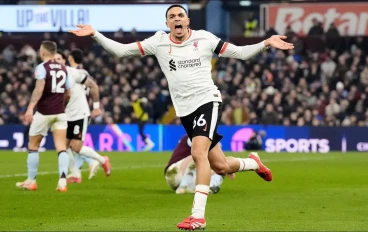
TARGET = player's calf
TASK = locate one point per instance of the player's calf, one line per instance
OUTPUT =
(89, 152)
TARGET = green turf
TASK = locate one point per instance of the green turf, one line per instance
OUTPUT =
(309, 192)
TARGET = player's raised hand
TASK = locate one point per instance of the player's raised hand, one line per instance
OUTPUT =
(83, 30)
(96, 112)
(29, 116)
(277, 41)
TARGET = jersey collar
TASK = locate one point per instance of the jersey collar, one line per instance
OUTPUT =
(175, 42)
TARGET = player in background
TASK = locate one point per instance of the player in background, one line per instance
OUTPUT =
(139, 108)
(52, 83)
(78, 115)
(77, 160)
(180, 171)
(185, 58)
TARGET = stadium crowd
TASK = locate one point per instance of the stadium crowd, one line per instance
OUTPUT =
(274, 88)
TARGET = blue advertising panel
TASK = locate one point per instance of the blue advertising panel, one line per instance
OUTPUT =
(343, 138)
(52, 18)
(119, 137)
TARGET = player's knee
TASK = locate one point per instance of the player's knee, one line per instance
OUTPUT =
(33, 145)
(199, 155)
(76, 146)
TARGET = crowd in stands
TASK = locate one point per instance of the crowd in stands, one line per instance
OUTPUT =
(297, 87)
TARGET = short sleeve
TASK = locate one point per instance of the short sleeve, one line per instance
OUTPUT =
(67, 82)
(217, 45)
(82, 76)
(40, 72)
(149, 45)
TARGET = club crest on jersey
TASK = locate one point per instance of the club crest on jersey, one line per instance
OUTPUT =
(195, 45)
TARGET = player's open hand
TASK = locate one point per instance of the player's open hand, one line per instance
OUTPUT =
(277, 41)
(96, 112)
(84, 30)
(29, 116)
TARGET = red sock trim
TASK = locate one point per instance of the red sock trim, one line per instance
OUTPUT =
(244, 165)
(201, 192)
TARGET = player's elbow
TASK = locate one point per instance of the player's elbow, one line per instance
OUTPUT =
(67, 96)
(93, 86)
(118, 53)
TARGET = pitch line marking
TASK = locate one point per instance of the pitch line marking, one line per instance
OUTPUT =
(296, 159)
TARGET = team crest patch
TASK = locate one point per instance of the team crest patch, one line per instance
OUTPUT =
(195, 45)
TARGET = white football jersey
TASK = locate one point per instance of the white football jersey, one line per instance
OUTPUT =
(186, 65)
(77, 107)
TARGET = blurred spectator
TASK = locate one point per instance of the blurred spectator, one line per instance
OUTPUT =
(328, 67)
(298, 87)
(332, 108)
(364, 76)
(332, 37)
(238, 113)
(289, 32)
(28, 54)
(270, 32)
(332, 32)
(316, 29)
(8, 54)
(119, 33)
(134, 33)
(269, 117)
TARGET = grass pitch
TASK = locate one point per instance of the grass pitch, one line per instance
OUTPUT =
(312, 192)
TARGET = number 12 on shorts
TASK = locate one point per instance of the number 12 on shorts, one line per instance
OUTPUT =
(200, 122)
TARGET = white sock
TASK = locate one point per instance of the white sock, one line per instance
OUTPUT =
(87, 151)
(247, 164)
(200, 200)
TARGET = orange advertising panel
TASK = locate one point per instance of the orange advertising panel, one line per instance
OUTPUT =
(350, 18)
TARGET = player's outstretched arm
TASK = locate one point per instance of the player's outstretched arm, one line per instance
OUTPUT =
(95, 96)
(113, 47)
(246, 52)
(36, 96)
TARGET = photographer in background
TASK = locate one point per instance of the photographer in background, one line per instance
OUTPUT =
(255, 142)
